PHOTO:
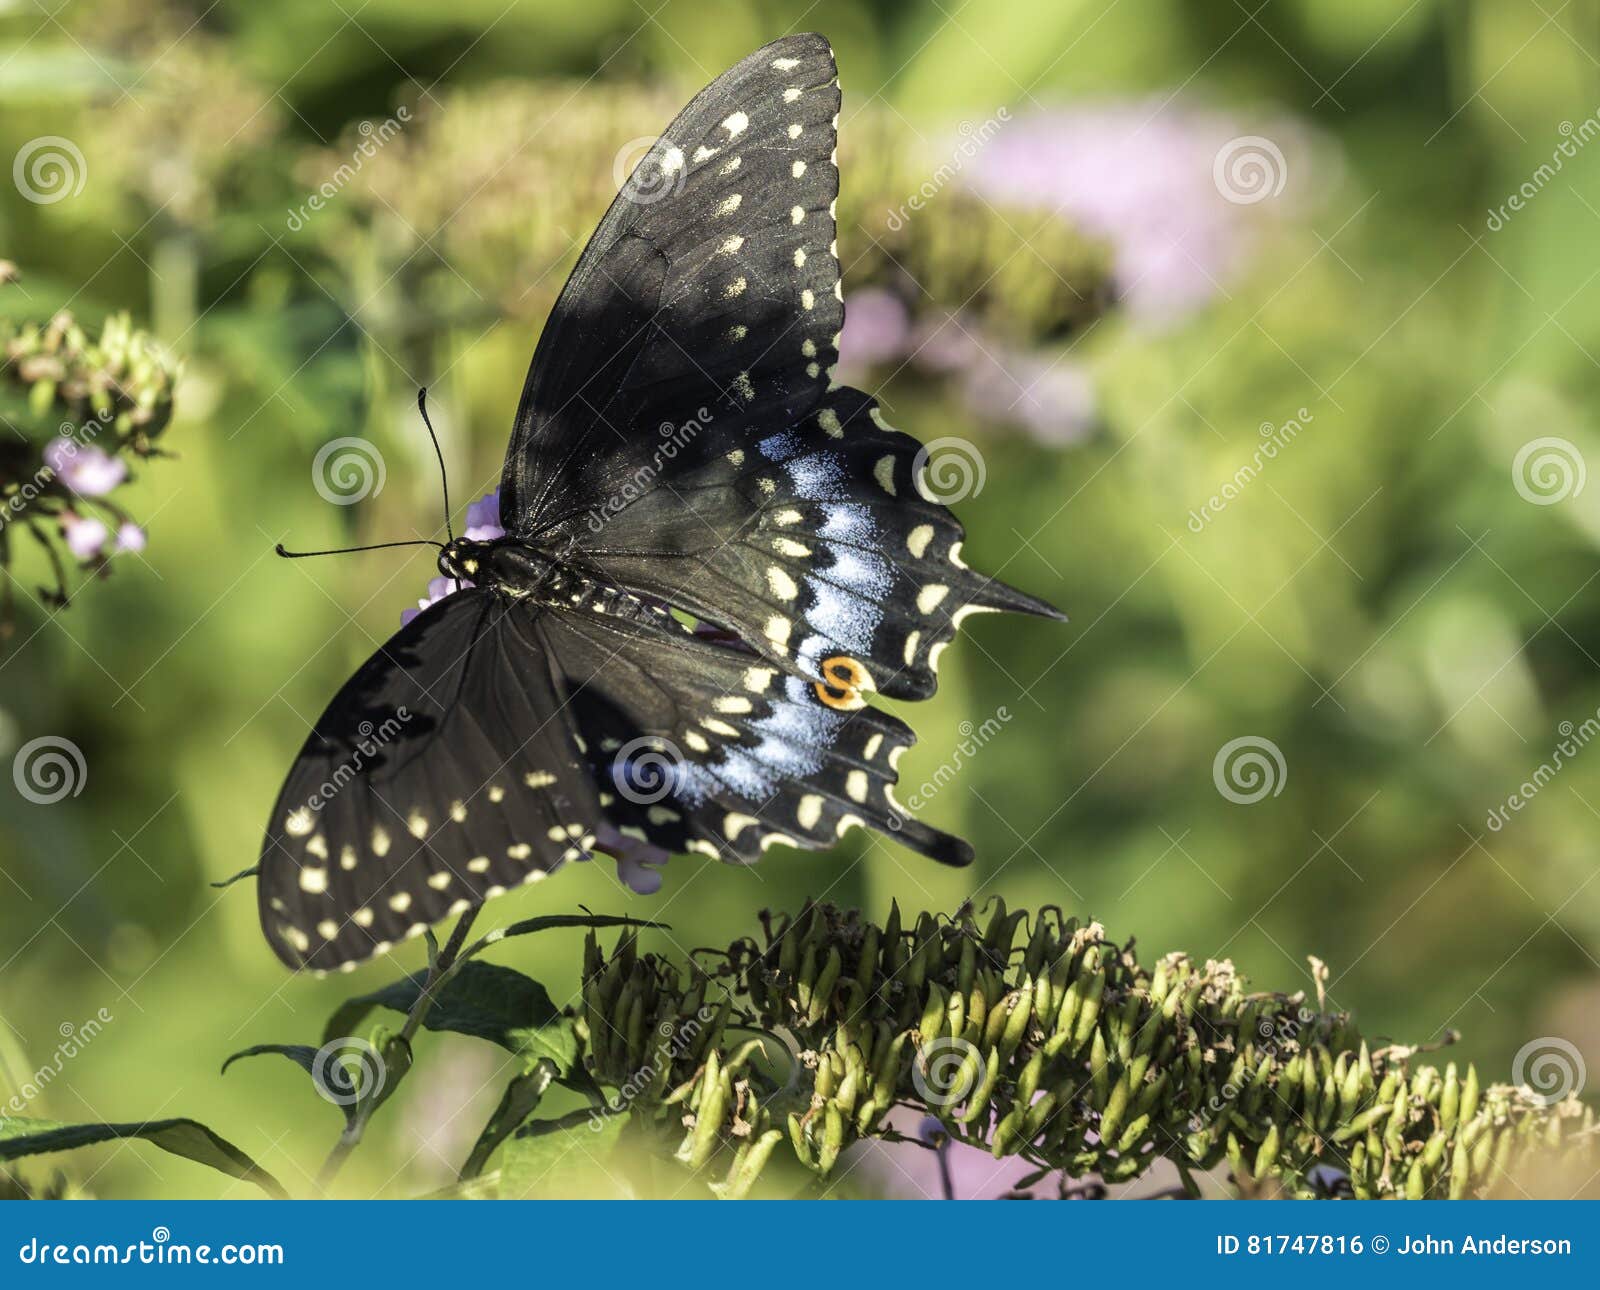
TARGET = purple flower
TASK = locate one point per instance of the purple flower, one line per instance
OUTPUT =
(953, 1171)
(438, 589)
(130, 537)
(1140, 176)
(86, 537)
(634, 859)
(85, 469)
(1049, 396)
(483, 519)
(877, 329)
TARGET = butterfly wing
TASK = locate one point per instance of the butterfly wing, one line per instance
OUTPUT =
(444, 772)
(705, 747)
(712, 282)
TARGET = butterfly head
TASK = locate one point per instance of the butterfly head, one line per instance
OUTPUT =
(503, 562)
(466, 560)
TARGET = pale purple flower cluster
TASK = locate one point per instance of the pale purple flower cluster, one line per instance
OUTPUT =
(90, 472)
(637, 862)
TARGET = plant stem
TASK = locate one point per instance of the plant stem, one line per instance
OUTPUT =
(441, 967)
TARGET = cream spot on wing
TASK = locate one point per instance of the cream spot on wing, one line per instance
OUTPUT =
(848, 822)
(808, 347)
(954, 556)
(744, 387)
(400, 901)
(933, 655)
(795, 130)
(872, 746)
(347, 857)
(883, 472)
(362, 917)
(672, 161)
(458, 810)
(929, 598)
(791, 94)
(478, 864)
(729, 204)
(717, 726)
(787, 517)
(519, 851)
(734, 288)
(736, 457)
(855, 785)
(298, 823)
(734, 704)
(735, 124)
(757, 679)
(380, 841)
(808, 299)
(911, 647)
(809, 811)
(828, 419)
(738, 331)
(786, 64)
(703, 153)
(439, 881)
(777, 630)
(314, 880)
(799, 257)
(796, 214)
(966, 611)
(327, 929)
(498, 794)
(791, 548)
(730, 244)
(491, 892)
(729, 166)
(733, 824)
(296, 937)
(703, 847)
(318, 846)
(417, 824)
(696, 741)
(782, 585)
(768, 485)
(917, 540)
(538, 779)
(798, 169)
(662, 815)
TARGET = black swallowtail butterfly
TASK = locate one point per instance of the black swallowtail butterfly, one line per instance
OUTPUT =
(556, 695)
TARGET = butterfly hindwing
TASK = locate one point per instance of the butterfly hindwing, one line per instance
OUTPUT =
(444, 772)
(706, 747)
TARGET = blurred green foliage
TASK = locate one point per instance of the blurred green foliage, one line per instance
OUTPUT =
(1382, 603)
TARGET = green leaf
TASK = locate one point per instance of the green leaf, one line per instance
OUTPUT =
(548, 922)
(484, 1000)
(517, 1103)
(21, 1136)
(533, 1159)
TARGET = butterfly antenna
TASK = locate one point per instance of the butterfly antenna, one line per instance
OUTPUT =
(444, 479)
(351, 550)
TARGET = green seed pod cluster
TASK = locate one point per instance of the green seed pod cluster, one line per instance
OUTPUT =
(118, 383)
(1037, 1037)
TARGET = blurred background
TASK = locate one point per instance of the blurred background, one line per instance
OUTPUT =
(1267, 338)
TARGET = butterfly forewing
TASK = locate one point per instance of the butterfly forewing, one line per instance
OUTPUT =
(444, 772)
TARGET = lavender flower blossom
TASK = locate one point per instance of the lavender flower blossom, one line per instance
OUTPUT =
(130, 537)
(87, 470)
(85, 537)
(877, 329)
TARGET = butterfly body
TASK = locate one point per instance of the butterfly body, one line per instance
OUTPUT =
(681, 445)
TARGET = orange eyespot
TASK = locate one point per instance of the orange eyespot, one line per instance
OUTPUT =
(844, 679)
